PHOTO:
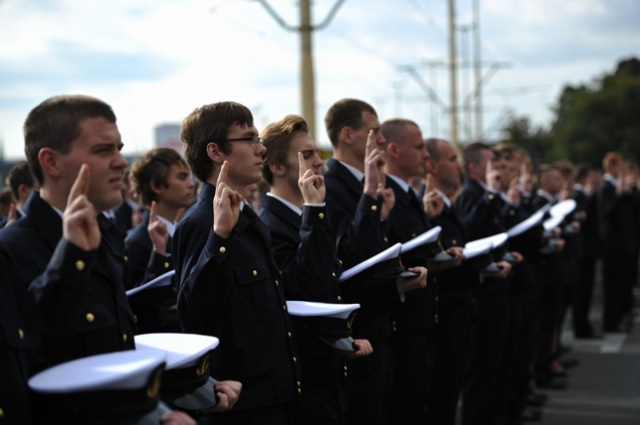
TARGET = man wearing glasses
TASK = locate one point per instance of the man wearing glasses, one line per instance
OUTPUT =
(229, 284)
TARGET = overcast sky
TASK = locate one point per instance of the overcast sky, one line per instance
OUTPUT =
(154, 61)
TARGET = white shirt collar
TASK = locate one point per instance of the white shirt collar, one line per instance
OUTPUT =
(580, 188)
(445, 198)
(171, 226)
(485, 187)
(545, 195)
(294, 208)
(403, 184)
(608, 177)
(359, 175)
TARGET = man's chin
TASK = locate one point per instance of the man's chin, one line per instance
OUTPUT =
(107, 204)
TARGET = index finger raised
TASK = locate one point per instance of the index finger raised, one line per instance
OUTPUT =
(371, 142)
(81, 185)
(301, 164)
(153, 212)
(427, 184)
(224, 170)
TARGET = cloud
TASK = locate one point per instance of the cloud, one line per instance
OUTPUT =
(156, 60)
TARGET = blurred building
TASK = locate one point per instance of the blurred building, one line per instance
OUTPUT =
(168, 136)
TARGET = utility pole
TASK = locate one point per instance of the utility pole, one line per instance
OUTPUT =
(397, 97)
(307, 81)
(465, 65)
(478, 70)
(435, 103)
(452, 76)
(433, 78)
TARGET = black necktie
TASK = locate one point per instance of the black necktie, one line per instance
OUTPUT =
(413, 199)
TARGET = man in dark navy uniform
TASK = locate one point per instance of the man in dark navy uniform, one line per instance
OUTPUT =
(359, 206)
(303, 243)
(616, 226)
(229, 284)
(15, 404)
(68, 260)
(484, 213)
(413, 320)
(453, 288)
(161, 181)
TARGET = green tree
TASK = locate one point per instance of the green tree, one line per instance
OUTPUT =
(591, 120)
(534, 140)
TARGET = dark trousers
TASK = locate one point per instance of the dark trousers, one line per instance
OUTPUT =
(321, 405)
(412, 354)
(617, 271)
(451, 339)
(519, 351)
(548, 284)
(489, 327)
(278, 414)
(369, 384)
(583, 295)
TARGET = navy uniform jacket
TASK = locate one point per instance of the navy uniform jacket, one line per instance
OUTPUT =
(455, 280)
(79, 295)
(554, 261)
(615, 219)
(143, 264)
(304, 246)
(355, 220)
(123, 214)
(15, 339)
(591, 247)
(232, 289)
(406, 221)
(484, 213)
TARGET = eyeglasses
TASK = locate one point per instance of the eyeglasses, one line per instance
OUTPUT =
(253, 140)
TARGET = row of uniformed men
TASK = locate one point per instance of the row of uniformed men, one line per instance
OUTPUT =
(234, 273)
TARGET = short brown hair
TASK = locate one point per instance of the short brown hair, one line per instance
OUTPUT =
(345, 113)
(472, 153)
(210, 124)
(153, 167)
(566, 168)
(19, 174)
(6, 196)
(611, 159)
(434, 149)
(277, 137)
(55, 123)
(395, 128)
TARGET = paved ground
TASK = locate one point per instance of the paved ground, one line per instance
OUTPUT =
(605, 388)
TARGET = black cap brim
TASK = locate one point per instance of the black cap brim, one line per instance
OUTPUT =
(442, 256)
(154, 417)
(201, 399)
(509, 258)
(479, 262)
(492, 268)
(339, 344)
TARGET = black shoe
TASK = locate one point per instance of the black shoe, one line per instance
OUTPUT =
(620, 328)
(564, 374)
(531, 414)
(568, 362)
(537, 399)
(585, 332)
(589, 335)
(564, 349)
(552, 383)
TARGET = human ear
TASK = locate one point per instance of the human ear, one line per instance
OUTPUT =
(214, 153)
(49, 160)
